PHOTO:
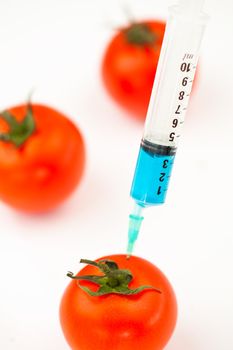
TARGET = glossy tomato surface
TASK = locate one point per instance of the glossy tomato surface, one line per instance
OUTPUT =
(41, 173)
(120, 322)
(129, 66)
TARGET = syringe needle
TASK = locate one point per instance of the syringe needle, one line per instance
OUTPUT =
(135, 221)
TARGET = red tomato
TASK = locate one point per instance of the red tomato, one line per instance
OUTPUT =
(120, 322)
(41, 159)
(130, 63)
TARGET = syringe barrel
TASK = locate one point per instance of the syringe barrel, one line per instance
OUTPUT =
(168, 104)
(174, 77)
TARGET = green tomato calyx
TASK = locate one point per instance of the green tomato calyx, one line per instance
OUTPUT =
(113, 280)
(140, 34)
(19, 131)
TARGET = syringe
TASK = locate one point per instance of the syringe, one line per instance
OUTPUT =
(168, 104)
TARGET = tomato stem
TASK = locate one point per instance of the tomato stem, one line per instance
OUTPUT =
(19, 131)
(140, 34)
(113, 280)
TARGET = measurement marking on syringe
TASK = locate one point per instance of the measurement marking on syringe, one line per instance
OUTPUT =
(188, 56)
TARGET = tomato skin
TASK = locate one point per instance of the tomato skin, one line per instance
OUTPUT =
(44, 171)
(119, 322)
(128, 70)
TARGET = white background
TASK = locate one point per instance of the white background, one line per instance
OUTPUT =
(56, 46)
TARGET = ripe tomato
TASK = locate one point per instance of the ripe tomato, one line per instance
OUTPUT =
(130, 62)
(142, 320)
(41, 157)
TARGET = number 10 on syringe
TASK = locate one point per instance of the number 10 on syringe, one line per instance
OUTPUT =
(168, 104)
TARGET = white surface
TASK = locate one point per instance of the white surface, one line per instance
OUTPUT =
(56, 46)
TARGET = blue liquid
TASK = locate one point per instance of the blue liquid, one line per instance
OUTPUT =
(151, 178)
